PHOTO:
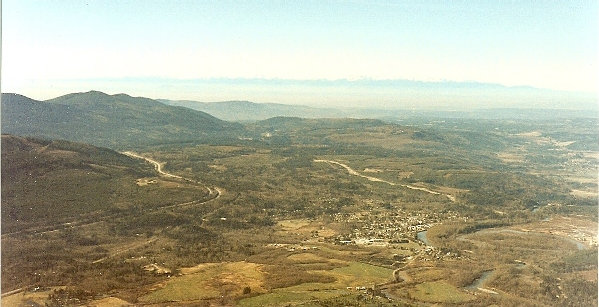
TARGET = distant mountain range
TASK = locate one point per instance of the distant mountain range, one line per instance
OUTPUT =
(250, 111)
(121, 121)
(115, 121)
(391, 94)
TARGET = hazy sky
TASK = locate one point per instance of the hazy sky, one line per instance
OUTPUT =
(55, 47)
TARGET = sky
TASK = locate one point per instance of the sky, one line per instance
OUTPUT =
(177, 49)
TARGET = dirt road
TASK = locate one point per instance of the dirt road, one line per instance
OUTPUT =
(157, 165)
(94, 218)
(355, 173)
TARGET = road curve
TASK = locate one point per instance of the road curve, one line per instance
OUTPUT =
(157, 165)
(214, 194)
(355, 173)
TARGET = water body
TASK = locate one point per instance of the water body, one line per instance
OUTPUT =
(422, 237)
(579, 245)
(478, 283)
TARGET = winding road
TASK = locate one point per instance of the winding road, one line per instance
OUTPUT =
(94, 218)
(351, 171)
(157, 165)
(214, 192)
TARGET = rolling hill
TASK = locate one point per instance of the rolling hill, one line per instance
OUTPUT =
(61, 201)
(251, 111)
(45, 181)
(115, 121)
(247, 111)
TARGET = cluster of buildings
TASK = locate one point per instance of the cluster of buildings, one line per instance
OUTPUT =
(292, 247)
(384, 228)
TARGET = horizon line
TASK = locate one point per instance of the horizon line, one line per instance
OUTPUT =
(421, 109)
(323, 80)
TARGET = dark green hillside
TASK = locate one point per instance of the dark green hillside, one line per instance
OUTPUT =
(49, 182)
(116, 121)
(25, 116)
(296, 123)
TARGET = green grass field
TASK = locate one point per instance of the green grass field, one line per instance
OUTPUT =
(356, 274)
(297, 295)
(439, 292)
(209, 282)
(361, 274)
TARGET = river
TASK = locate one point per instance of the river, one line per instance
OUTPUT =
(422, 237)
(478, 283)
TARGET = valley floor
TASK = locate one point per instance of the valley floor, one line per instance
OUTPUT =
(303, 216)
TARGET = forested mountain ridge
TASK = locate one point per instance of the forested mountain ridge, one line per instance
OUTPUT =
(115, 121)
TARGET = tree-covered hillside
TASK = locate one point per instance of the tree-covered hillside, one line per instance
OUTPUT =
(115, 121)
